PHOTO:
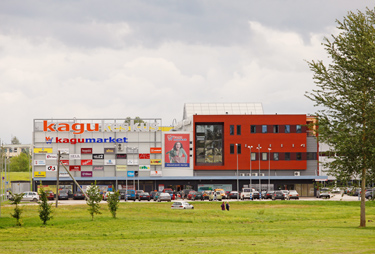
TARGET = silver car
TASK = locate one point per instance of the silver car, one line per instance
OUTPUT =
(293, 194)
(286, 194)
(182, 205)
(164, 197)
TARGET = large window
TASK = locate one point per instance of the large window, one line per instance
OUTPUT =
(231, 129)
(209, 143)
(275, 156)
(264, 128)
(275, 129)
(287, 156)
(238, 129)
(239, 148)
(299, 156)
(231, 148)
(264, 156)
(253, 156)
(253, 129)
(287, 128)
(298, 129)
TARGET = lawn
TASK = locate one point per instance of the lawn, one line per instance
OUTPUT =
(143, 227)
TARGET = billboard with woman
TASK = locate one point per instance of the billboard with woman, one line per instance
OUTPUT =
(177, 148)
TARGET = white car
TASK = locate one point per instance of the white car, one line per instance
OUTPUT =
(182, 205)
(293, 194)
(286, 194)
(30, 196)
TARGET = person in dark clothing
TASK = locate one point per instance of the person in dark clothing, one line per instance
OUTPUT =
(223, 206)
(227, 206)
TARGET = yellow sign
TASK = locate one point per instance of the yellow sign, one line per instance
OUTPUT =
(42, 150)
(120, 167)
(155, 161)
(39, 174)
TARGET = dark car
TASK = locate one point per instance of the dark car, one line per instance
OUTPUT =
(256, 195)
(278, 195)
(152, 194)
(233, 195)
(50, 195)
(137, 192)
(122, 194)
(64, 194)
(195, 195)
(268, 194)
(144, 196)
(78, 195)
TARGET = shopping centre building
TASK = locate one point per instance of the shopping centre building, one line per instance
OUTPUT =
(227, 146)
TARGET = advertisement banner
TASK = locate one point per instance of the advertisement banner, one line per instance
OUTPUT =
(98, 168)
(109, 150)
(86, 162)
(65, 162)
(130, 173)
(39, 174)
(51, 156)
(74, 156)
(75, 168)
(86, 150)
(133, 162)
(156, 173)
(42, 150)
(63, 150)
(144, 167)
(98, 156)
(39, 162)
(121, 167)
(155, 161)
(144, 156)
(86, 174)
(109, 162)
(51, 168)
(155, 150)
(177, 147)
(120, 156)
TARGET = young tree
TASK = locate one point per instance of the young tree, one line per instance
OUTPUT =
(93, 200)
(16, 199)
(20, 163)
(346, 92)
(45, 209)
(113, 200)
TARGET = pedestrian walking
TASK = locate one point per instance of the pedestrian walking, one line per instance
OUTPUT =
(223, 206)
(215, 196)
(227, 206)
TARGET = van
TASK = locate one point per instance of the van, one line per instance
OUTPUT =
(247, 193)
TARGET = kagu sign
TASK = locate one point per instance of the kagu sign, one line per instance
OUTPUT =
(79, 128)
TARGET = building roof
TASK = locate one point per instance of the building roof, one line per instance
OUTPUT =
(222, 109)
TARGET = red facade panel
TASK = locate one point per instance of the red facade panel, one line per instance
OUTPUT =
(280, 142)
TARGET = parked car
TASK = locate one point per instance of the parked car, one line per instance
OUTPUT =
(122, 193)
(182, 205)
(105, 196)
(278, 195)
(222, 193)
(206, 194)
(263, 194)
(64, 194)
(216, 197)
(247, 193)
(144, 196)
(233, 195)
(30, 196)
(255, 195)
(293, 194)
(50, 195)
(369, 194)
(79, 195)
(195, 195)
(156, 196)
(164, 197)
(268, 194)
(286, 193)
(323, 193)
(137, 192)
(130, 195)
(152, 194)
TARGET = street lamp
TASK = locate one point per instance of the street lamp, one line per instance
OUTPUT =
(260, 191)
(250, 163)
(269, 167)
(237, 172)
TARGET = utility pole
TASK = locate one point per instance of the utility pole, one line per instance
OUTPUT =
(58, 177)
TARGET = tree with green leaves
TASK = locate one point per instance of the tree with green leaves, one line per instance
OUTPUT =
(137, 119)
(16, 200)
(15, 141)
(45, 209)
(93, 199)
(346, 96)
(113, 200)
(20, 163)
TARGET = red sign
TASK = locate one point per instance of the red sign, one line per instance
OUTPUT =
(155, 150)
(86, 150)
(86, 174)
(75, 168)
(144, 156)
(86, 162)
(65, 162)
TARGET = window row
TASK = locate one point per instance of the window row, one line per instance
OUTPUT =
(269, 129)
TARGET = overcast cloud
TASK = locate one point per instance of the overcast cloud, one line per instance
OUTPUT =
(114, 59)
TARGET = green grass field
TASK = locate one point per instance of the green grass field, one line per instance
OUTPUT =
(249, 227)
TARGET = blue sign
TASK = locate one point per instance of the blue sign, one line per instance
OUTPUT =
(130, 173)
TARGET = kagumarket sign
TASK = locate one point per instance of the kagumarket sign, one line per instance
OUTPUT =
(79, 128)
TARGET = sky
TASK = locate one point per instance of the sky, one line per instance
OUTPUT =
(118, 59)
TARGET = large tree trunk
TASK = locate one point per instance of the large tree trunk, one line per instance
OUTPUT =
(363, 199)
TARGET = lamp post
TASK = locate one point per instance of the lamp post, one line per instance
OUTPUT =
(260, 191)
(250, 164)
(237, 172)
(269, 168)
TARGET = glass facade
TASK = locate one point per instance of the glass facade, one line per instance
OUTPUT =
(209, 143)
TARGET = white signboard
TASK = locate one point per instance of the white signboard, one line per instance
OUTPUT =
(109, 162)
(156, 173)
(144, 168)
(133, 162)
(51, 168)
(39, 162)
(74, 156)
(51, 156)
(63, 150)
